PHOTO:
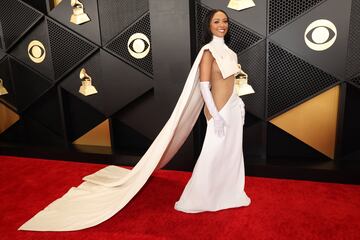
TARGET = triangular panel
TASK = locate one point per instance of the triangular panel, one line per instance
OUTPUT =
(282, 145)
(353, 60)
(5, 75)
(28, 85)
(116, 82)
(115, 16)
(67, 48)
(46, 110)
(15, 19)
(20, 51)
(90, 29)
(332, 58)
(253, 63)
(80, 117)
(314, 122)
(98, 136)
(119, 45)
(291, 80)
(283, 11)
(8, 117)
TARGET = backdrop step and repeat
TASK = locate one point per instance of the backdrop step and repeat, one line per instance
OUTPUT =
(107, 73)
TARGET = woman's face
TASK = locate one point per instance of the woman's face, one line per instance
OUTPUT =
(219, 24)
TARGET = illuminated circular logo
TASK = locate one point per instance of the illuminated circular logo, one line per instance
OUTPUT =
(36, 51)
(138, 45)
(320, 35)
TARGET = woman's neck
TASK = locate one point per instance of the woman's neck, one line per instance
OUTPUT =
(218, 40)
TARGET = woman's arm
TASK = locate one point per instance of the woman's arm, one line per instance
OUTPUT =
(205, 76)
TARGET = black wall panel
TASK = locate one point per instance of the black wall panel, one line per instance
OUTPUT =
(282, 11)
(116, 82)
(16, 18)
(115, 16)
(5, 75)
(138, 95)
(28, 85)
(353, 60)
(292, 80)
(119, 47)
(90, 30)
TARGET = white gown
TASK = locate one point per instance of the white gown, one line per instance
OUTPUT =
(218, 179)
(107, 191)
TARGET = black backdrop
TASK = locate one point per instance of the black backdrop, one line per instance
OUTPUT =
(138, 95)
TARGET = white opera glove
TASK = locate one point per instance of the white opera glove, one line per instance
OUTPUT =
(219, 122)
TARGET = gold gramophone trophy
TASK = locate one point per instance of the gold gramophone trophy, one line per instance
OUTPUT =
(240, 4)
(3, 90)
(79, 16)
(86, 88)
(241, 85)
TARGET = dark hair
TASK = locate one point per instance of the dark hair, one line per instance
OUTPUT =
(207, 36)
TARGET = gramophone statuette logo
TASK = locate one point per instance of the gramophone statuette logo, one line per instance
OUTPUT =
(240, 4)
(86, 88)
(3, 90)
(79, 16)
(36, 51)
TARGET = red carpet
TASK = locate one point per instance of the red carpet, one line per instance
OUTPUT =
(280, 209)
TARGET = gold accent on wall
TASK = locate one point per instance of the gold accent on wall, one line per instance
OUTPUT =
(36, 51)
(7, 117)
(98, 136)
(57, 2)
(314, 121)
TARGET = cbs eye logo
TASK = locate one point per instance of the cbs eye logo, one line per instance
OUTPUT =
(138, 45)
(36, 51)
(320, 35)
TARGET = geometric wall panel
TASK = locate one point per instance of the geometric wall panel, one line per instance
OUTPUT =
(117, 83)
(115, 16)
(90, 30)
(12, 30)
(5, 75)
(28, 85)
(38, 4)
(292, 80)
(246, 16)
(320, 113)
(8, 117)
(283, 11)
(98, 136)
(283, 146)
(253, 63)
(356, 81)
(20, 50)
(350, 141)
(46, 110)
(331, 60)
(63, 49)
(128, 139)
(353, 61)
(67, 49)
(241, 38)
(2, 54)
(119, 45)
(80, 117)
(35, 133)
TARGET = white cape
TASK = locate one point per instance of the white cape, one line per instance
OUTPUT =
(108, 190)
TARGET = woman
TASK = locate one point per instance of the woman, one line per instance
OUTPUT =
(108, 190)
(218, 178)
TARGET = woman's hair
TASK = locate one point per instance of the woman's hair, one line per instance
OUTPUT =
(207, 36)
